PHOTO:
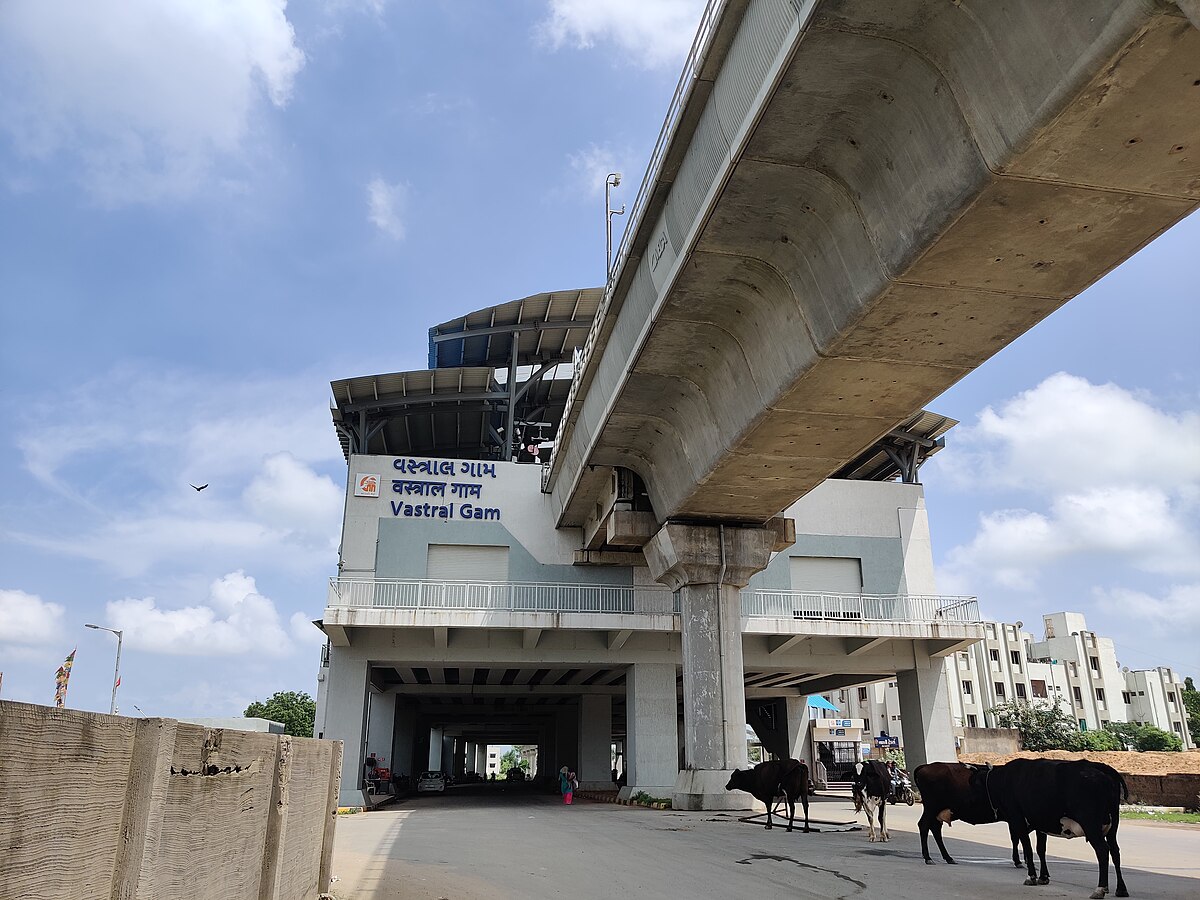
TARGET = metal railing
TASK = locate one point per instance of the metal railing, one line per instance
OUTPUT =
(512, 596)
(683, 88)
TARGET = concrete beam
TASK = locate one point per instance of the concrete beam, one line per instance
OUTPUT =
(617, 639)
(856, 647)
(530, 638)
(781, 644)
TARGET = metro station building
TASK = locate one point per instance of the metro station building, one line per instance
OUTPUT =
(475, 606)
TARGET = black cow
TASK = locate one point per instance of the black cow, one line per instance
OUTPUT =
(1065, 798)
(948, 793)
(871, 789)
(768, 780)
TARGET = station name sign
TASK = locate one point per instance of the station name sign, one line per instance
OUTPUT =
(433, 489)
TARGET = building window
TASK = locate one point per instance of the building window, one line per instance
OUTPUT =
(1100, 694)
(995, 655)
(862, 695)
(1020, 691)
(1125, 696)
(1095, 661)
(972, 722)
(1015, 655)
(1039, 688)
(967, 688)
(1078, 695)
(999, 688)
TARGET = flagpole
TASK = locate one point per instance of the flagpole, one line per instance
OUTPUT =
(116, 671)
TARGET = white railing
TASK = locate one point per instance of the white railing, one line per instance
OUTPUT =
(860, 607)
(513, 596)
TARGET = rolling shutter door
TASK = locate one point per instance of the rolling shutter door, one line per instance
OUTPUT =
(466, 562)
(827, 574)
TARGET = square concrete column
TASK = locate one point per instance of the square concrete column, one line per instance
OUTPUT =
(925, 712)
(381, 722)
(652, 734)
(595, 742)
(436, 742)
(346, 719)
(708, 565)
(798, 729)
(403, 739)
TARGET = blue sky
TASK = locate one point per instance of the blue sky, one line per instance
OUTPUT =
(211, 209)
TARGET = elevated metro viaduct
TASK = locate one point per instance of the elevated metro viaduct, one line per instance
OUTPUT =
(851, 206)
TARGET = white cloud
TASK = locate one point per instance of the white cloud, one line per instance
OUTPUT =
(28, 619)
(254, 440)
(237, 620)
(290, 496)
(1104, 477)
(650, 33)
(147, 96)
(304, 631)
(590, 168)
(385, 206)
(1176, 612)
(1068, 434)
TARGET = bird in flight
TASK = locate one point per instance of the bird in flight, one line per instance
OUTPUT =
(197, 487)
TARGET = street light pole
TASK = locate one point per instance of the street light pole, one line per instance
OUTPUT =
(613, 179)
(112, 708)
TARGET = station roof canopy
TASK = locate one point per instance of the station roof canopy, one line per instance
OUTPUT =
(548, 327)
(900, 452)
(452, 413)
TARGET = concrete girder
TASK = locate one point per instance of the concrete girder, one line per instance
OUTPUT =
(923, 184)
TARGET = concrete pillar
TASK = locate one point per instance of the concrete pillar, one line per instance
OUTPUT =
(652, 736)
(566, 740)
(436, 742)
(595, 742)
(404, 739)
(799, 727)
(346, 719)
(708, 565)
(925, 712)
(381, 722)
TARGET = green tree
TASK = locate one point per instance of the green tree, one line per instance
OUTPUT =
(1191, 702)
(1042, 725)
(512, 760)
(295, 709)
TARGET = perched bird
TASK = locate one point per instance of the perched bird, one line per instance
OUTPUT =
(198, 488)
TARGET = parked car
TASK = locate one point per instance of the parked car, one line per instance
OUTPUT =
(431, 782)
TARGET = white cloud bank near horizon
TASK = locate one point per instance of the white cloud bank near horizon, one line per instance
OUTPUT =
(1108, 482)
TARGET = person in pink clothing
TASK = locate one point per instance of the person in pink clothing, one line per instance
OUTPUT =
(566, 785)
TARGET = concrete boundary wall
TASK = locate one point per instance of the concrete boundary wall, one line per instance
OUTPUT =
(100, 806)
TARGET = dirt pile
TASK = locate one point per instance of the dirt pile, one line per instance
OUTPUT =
(1130, 762)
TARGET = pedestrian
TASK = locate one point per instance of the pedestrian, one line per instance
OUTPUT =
(566, 785)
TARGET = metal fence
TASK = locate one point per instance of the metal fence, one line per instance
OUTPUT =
(512, 596)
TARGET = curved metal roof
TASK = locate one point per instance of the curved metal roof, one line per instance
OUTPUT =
(900, 452)
(547, 328)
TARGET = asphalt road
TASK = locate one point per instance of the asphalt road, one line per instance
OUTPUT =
(482, 843)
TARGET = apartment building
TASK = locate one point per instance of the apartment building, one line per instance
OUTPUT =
(1070, 663)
